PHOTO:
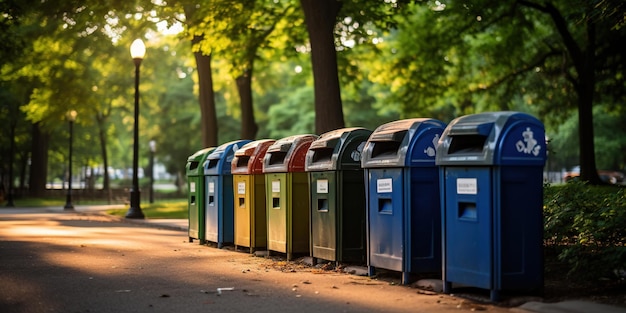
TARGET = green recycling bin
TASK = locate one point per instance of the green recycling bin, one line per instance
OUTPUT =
(337, 195)
(195, 194)
(287, 195)
(249, 194)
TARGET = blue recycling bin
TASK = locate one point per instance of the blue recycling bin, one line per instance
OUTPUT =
(218, 195)
(491, 175)
(403, 210)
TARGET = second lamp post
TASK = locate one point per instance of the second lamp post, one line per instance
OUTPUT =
(71, 117)
(137, 52)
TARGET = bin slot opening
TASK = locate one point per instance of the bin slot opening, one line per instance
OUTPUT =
(193, 165)
(212, 163)
(211, 200)
(322, 154)
(192, 200)
(322, 205)
(385, 148)
(467, 144)
(276, 203)
(277, 158)
(385, 206)
(242, 161)
(467, 211)
(242, 202)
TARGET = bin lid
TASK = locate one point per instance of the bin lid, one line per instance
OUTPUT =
(339, 149)
(194, 160)
(287, 154)
(218, 161)
(498, 138)
(403, 143)
(249, 158)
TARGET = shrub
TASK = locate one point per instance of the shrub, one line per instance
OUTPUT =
(586, 227)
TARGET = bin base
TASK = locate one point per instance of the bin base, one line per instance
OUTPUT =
(315, 261)
(201, 241)
(405, 279)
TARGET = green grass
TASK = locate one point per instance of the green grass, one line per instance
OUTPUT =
(44, 202)
(176, 208)
(160, 209)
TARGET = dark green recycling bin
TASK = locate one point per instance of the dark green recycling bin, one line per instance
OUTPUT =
(337, 195)
(195, 194)
(287, 195)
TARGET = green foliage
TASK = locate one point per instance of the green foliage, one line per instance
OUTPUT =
(291, 116)
(584, 226)
(610, 140)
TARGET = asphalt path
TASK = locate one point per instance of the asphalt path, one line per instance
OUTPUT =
(56, 261)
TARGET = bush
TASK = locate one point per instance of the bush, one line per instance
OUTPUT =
(585, 227)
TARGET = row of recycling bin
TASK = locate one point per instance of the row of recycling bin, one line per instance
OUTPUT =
(414, 195)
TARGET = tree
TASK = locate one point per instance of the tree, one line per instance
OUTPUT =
(591, 48)
(333, 25)
(320, 17)
(242, 30)
(206, 95)
(541, 57)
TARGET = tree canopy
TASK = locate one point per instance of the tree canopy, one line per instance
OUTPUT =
(267, 69)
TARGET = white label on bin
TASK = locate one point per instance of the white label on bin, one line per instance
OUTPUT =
(276, 186)
(466, 186)
(192, 187)
(241, 188)
(384, 185)
(211, 187)
(322, 186)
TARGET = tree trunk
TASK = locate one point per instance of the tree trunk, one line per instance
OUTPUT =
(585, 90)
(206, 97)
(39, 162)
(584, 84)
(106, 181)
(208, 115)
(320, 17)
(249, 127)
(23, 167)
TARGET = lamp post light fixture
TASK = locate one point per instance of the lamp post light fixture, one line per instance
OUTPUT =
(152, 151)
(137, 52)
(71, 117)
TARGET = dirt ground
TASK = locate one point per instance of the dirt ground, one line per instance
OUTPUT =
(72, 263)
(51, 262)
(557, 286)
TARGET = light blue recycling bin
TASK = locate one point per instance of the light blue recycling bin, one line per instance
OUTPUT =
(218, 195)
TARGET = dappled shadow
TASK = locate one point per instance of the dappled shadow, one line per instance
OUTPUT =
(73, 265)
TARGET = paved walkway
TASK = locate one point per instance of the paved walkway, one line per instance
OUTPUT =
(125, 268)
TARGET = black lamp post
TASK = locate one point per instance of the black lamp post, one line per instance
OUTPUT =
(137, 52)
(71, 117)
(152, 151)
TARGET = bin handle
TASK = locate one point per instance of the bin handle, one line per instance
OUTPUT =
(483, 129)
(392, 135)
